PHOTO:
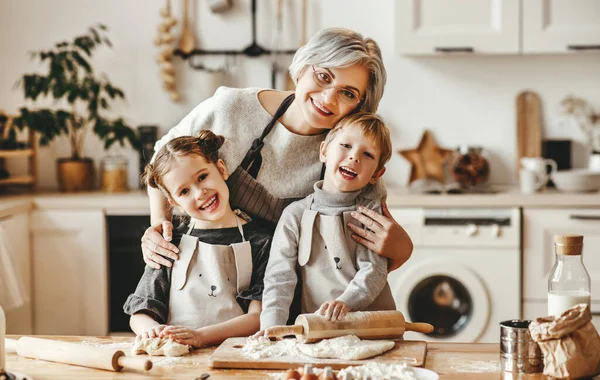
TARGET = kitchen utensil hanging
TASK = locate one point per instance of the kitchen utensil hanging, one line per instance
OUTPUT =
(252, 50)
(186, 41)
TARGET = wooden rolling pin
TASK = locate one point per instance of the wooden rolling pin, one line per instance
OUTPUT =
(310, 328)
(110, 359)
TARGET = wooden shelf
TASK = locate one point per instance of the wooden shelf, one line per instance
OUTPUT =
(19, 180)
(16, 153)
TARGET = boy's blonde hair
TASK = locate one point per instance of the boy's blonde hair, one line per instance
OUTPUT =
(373, 127)
(205, 144)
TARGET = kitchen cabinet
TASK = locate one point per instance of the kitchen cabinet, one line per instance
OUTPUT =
(560, 26)
(427, 27)
(15, 228)
(433, 27)
(539, 228)
(70, 272)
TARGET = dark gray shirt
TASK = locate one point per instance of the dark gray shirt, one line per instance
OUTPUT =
(152, 293)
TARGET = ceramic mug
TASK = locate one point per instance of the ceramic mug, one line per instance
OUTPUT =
(539, 165)
(530, 181)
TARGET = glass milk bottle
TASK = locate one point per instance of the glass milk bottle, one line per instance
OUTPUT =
(569, 281)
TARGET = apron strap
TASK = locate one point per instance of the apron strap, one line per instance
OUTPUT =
(240, 228)
(187, 249)
(306, 234)
(349, 219)
(253, 159)
(243, 264)
(192, 223)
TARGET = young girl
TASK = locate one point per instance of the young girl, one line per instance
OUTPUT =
(214, 290)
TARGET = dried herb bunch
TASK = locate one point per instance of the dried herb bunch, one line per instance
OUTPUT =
(70, 81)
(581, 112)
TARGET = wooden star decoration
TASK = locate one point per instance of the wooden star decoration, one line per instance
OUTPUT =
(427, 160)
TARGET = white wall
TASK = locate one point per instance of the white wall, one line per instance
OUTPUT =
(463, 100)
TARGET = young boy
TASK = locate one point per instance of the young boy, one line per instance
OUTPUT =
(312, 239)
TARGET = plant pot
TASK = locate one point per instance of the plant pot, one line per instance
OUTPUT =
(75, 175)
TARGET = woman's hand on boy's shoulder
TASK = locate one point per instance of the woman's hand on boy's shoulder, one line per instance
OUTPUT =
(334, 310)
(382, 234)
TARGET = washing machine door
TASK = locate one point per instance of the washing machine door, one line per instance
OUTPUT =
(446, 294)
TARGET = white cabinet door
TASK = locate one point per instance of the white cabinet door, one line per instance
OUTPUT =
(70, 272)
(426, 27)
(539, 228)
(561, 26)
(16, 227)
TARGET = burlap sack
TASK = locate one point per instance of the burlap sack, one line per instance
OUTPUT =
(570, 343)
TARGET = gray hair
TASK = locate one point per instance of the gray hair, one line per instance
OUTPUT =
(339, 48)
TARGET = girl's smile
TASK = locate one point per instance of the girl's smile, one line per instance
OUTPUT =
(199, 188)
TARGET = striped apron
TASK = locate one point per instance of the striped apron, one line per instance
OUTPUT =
(245, 192)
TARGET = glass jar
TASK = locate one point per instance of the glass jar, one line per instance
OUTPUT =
(470, 167)
(114, 174)
(569, 282)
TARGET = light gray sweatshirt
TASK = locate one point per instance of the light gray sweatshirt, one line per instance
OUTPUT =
(281, 275)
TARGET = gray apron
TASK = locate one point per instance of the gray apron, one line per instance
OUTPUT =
(245, 192)
(327, 259)
(206, 280)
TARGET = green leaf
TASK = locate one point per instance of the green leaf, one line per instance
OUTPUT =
(82, 62)
(70, 77)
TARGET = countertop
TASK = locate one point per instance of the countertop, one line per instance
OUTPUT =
(449, 360)
(136, 202)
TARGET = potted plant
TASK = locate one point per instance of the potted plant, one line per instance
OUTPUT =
(81, 99)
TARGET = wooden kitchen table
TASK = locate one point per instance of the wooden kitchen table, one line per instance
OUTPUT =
(449, 360)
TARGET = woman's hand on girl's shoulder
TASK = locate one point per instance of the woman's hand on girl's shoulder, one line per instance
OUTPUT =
(156, 244)
(382, 235)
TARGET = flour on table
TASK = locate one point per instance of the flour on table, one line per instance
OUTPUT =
(379, 371)
(159, 347)
(474, 366)
(348, 347)
(262, 347)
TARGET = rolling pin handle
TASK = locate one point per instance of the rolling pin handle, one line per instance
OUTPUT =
(281, 331)
(10, 345)
(421, 327)
(139, 364)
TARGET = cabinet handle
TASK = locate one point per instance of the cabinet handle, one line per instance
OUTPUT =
(583, 47)
(584, 217)
(465, 49)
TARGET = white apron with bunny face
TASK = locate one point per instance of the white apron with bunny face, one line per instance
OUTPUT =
(205, 281)
(327, 259)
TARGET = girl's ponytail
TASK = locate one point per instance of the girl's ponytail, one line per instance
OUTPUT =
(209, 144)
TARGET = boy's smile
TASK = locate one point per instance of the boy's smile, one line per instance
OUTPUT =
(351, 160)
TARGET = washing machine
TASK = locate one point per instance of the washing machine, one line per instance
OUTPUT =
(464, 275)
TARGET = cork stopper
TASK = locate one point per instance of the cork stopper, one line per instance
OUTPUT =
(570, 245)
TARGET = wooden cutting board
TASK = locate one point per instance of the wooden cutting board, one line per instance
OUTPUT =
(229, 355)
(529, 126)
